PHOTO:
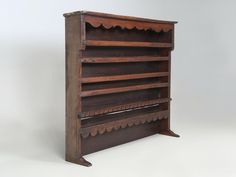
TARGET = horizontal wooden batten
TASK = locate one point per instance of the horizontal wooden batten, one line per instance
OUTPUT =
(122, 77)
(126, 44)
(122, 89)
(123, 59)
(134, 105)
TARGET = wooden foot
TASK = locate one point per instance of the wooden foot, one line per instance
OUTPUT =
(82, 161)
(169, 133)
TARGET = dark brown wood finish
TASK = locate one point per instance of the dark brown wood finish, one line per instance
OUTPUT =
(118, 72)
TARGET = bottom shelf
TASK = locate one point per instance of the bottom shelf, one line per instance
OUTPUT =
(107, 123)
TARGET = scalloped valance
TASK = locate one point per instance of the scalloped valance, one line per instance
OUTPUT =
(109, 23)
(123, 123)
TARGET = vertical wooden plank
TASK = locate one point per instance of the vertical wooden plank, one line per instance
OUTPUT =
(82, 45)
(173, 37)
(169, 90)
(72, 88)
(169, 78)
(165, 125)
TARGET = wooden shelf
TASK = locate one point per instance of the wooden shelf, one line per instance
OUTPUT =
(122, 77)
(126, 44)
(122, 89)
(133, 105)
(123, 59)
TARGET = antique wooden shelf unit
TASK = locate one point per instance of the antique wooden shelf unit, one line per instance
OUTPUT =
(117, 81)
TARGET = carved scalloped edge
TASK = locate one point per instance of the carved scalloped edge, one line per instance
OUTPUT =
(129, 27)
(124, 107)
(118, 124)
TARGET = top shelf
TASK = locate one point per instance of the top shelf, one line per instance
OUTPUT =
(126, 44)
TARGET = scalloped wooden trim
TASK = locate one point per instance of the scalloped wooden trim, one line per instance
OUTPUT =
(107, 23)
(118, 124)
(124, 107)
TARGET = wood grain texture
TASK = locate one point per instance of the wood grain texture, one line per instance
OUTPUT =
(122, 89)
(123, 59)
(73, 143)
(126, 44)
(117, 124)
(118, 72)
(122, 77)
(120, 136)
(121, 17)
(132, 24)
(121, 107)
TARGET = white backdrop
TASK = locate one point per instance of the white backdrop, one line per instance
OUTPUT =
(32, 92)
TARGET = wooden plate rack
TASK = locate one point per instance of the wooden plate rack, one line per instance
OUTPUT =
(117, 81)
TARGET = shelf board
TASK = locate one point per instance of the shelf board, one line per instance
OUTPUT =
(123, 59)
(122, 77)
(134, 105)
(127, 44)
(122, 89)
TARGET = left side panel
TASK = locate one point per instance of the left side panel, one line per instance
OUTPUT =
(73, 89)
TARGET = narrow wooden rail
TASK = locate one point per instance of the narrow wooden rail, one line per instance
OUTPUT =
(122, 77)
(127, 44)
(122, 89)
(123, 59)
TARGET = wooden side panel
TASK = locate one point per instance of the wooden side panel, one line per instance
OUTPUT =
(73, 103)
